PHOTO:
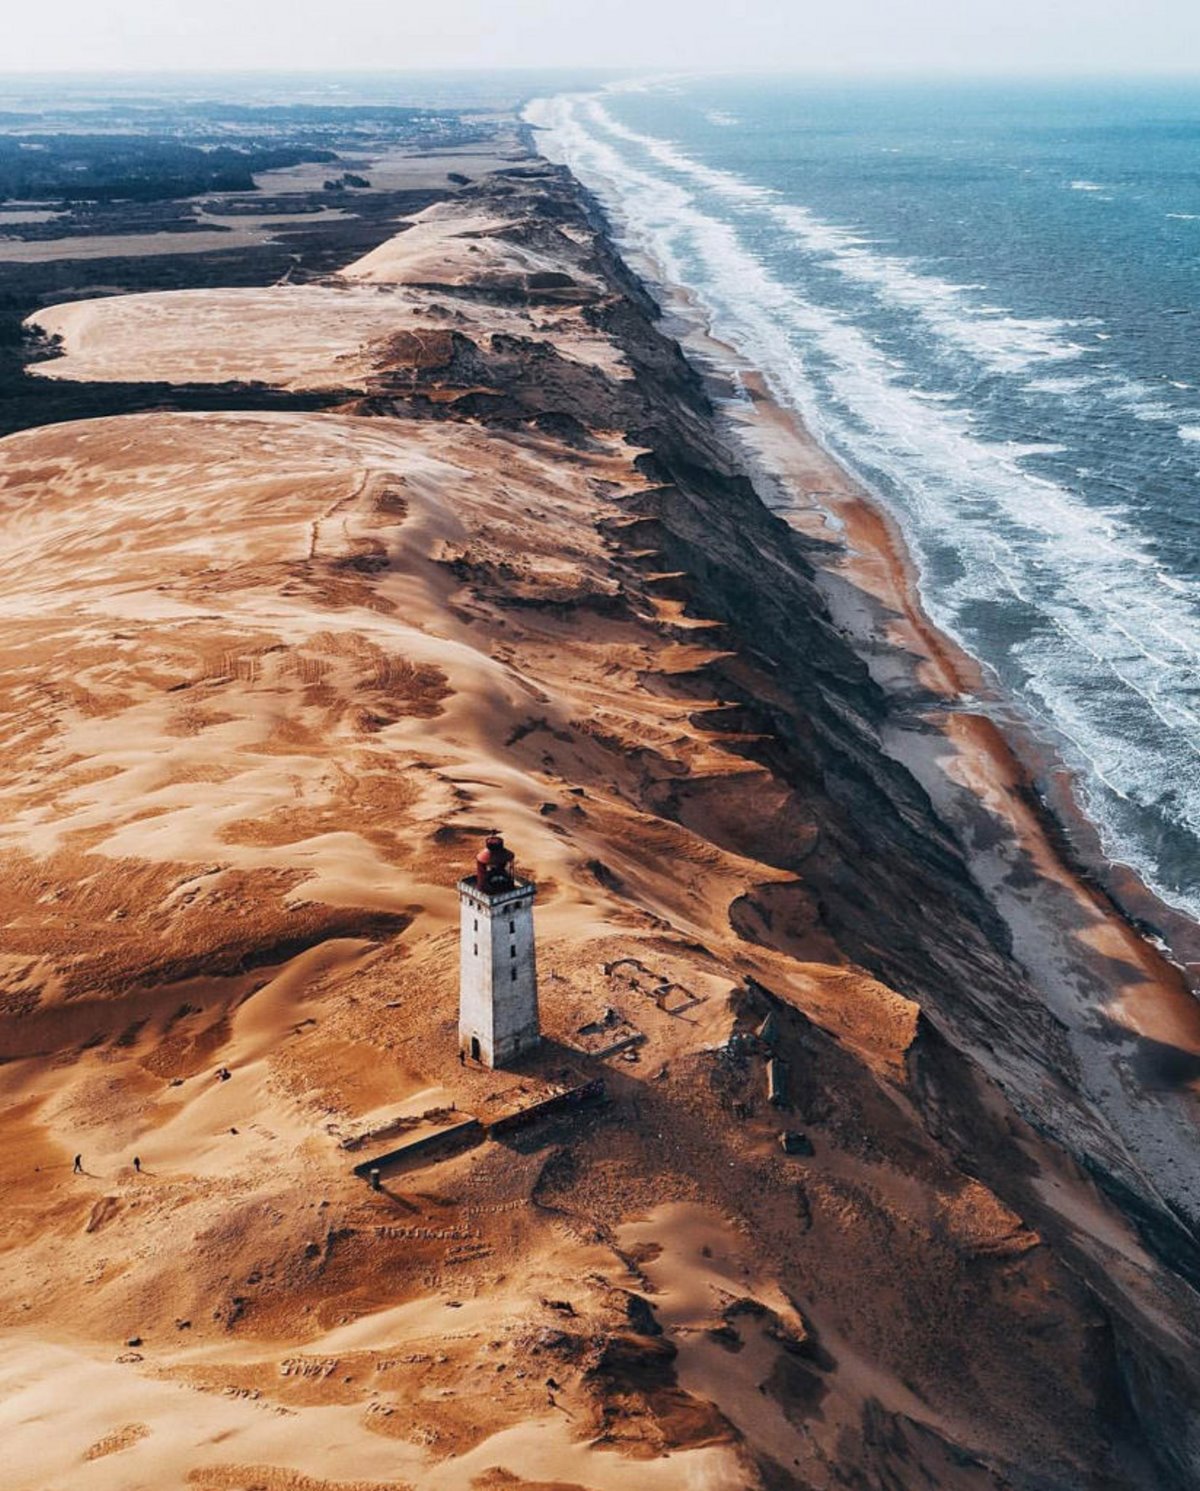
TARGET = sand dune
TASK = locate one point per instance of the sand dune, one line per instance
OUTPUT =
(341, 335)
(288, 336)
(477, 250)
(266, 679)
(312, 724)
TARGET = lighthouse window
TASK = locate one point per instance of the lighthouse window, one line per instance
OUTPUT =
(512, 926)
(475, 950)
(514, 975)
(512, 953)
(476, 926)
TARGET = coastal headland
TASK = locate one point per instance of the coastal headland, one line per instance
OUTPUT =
(453, 536)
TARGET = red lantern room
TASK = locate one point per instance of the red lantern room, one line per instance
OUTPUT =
(493, 865)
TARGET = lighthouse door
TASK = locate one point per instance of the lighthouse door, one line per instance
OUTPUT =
(475, 1051)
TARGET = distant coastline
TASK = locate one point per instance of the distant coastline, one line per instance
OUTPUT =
(445, 524)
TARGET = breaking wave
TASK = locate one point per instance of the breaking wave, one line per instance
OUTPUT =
(1067, 598)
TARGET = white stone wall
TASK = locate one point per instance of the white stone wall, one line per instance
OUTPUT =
(498, 1005)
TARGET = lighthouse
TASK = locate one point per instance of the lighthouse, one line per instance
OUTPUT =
(497, 998)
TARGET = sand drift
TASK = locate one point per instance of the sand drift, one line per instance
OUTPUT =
(266, 677)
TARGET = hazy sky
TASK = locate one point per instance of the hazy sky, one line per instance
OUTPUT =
(804, 35)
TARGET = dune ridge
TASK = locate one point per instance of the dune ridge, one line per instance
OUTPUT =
(268, 676)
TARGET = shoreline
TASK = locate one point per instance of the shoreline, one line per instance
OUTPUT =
(874, 556)
(857, 1189)
(859, 540)
(1113, 962)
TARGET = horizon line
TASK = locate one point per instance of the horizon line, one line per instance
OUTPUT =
(1190, 73)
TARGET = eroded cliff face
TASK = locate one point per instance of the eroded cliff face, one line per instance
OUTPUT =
(267, 678)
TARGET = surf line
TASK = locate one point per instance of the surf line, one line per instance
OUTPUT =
(948, 483)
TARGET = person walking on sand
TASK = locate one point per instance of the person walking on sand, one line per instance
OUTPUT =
(137, 1164)
(78, 1170)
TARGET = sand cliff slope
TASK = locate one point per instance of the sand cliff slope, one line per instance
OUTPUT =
(266, 679)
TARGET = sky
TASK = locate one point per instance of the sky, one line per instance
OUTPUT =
(839, 36)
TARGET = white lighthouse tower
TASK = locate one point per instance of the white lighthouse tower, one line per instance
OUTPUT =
(497, 999)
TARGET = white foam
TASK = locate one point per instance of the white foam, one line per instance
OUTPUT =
(1064, 386)
(990, 334)
(1190, 433)
(1139, 399)
(1110, 660)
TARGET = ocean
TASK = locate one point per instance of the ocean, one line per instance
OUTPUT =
(985, 300)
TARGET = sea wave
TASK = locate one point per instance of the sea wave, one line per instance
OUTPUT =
(1099, 652)
(992, 334)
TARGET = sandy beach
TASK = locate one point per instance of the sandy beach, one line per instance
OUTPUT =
(270, 674)
(974, 763)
